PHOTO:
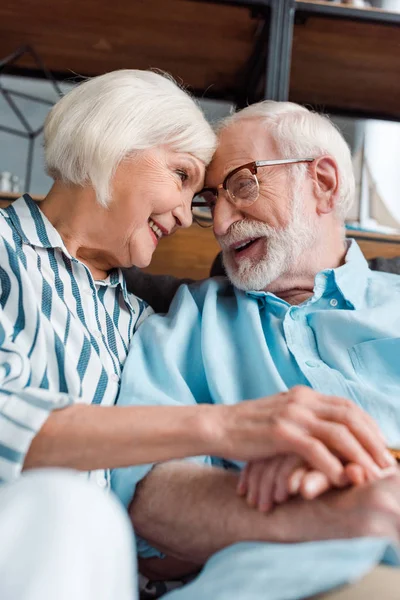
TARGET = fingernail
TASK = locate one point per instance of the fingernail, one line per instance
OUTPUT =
(377, 471)
(295, 483)
(390, 459)
(387, 472)
(310, 488)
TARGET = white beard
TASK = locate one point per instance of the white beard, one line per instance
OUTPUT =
(282, 248)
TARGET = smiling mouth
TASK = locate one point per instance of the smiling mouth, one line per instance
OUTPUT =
(244, 245)
(155, 229)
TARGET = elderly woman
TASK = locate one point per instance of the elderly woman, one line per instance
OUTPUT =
(127, 152)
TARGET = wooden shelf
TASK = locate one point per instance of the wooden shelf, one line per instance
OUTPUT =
(203, 45)
(347, 11)
(346, 59)
(376, 244)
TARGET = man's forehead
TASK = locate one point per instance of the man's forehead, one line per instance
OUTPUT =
(240, 143)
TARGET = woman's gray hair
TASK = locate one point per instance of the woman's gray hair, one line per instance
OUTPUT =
(108, 118)
(301, 133)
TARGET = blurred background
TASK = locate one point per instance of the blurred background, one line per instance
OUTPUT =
(341, 58)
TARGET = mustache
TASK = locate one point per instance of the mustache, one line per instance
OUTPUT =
(241, 230)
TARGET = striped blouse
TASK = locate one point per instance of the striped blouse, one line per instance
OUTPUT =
(64, 337)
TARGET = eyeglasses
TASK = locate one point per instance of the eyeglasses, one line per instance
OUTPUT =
(241, 186)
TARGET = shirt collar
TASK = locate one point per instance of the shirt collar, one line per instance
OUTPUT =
(35, 229)
(350, 279)
(32, 225)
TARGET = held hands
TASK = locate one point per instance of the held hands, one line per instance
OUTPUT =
(266, 483)
(303, 442)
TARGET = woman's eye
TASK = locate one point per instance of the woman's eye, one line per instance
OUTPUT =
(182, 175)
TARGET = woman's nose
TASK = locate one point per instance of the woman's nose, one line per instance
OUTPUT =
(183, 215)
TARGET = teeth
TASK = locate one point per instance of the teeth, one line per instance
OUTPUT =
(242, 245)
(154, 228)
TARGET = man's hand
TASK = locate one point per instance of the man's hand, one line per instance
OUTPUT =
(325, 431)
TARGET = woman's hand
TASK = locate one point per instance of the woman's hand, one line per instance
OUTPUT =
(266, 483)
(325, 431)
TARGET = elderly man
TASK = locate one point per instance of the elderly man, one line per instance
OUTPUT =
(301, 308)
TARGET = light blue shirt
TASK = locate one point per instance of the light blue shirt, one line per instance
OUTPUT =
(221, 345)
(64, 337)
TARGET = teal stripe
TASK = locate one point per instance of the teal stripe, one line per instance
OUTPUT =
(19, 324)
(39, 223)
(7, 367)
(142, 308)
(60, 355)
(101, 388)
(112, 343)
(79, 307)
(18, 247)
(59, 285)
(14, 218)
(5, 287)
(10, 351)
(116, 314)
(96, 314)
(84, 359)
(36, 333)
(44, 384)
(11, 454)
(47, 294)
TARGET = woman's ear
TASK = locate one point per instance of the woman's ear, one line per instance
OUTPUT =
(325, 175)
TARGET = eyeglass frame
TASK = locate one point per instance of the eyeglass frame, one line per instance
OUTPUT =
(253, 168)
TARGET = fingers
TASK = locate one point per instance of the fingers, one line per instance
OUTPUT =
(314, 484)
(295, 480)
(242, 485)
(356, 474)
(287, 467)
(361, 425)
(338, 438)
(290, 439)
(254, 477)
(267, 484)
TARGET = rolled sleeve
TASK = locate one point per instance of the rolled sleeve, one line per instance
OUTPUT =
(23, 410)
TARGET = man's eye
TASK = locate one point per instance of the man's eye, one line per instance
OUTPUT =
(183, 175)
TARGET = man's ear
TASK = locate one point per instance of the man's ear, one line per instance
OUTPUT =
(325, 174)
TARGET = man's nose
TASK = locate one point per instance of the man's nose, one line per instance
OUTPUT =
(225, 213)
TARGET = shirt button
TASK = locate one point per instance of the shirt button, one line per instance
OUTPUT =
(96, 333)
(88, 292)
(312, 363)
(333, 302)
(294, 313)
(114, 377)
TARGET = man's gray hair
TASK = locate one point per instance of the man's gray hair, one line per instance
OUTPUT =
(108, 118)
(301, 133)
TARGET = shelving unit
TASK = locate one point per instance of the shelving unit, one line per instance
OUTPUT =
(346, 60)
(339, 58)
